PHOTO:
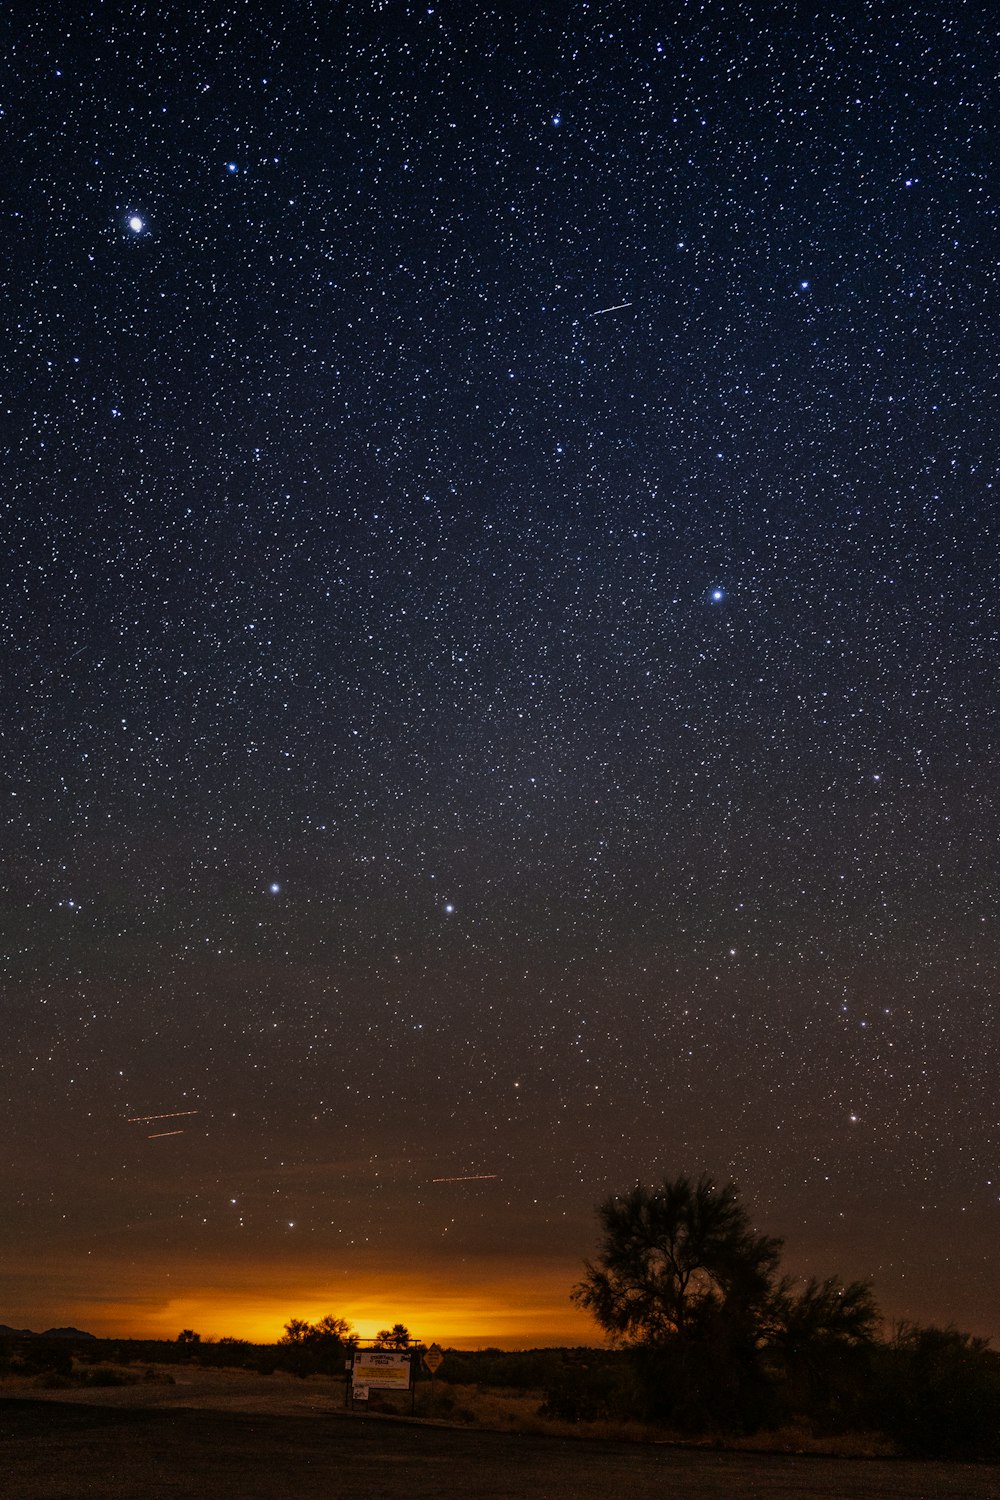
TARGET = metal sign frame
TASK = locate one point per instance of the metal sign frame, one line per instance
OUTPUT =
(399, 1370)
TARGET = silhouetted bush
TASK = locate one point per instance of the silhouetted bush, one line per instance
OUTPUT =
(315, 1348)
(103, 1375)
(435, 1400)
(939, 1394)
(581, 1393)
(41, 1356)
(522, 1370)
(228, 1354)
(695, 1387)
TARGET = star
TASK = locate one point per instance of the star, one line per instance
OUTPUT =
(136, 224)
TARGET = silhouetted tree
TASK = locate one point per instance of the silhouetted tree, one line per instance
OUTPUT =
(297, 1331)
(335, 1330)
(824, 1312)
(684, 1280)
(821, 1337)
(671, 1256)
(189, 1337)
(311, 1348)
(396, 1337)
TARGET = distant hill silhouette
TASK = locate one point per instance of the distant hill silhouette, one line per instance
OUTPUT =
(50, 1333)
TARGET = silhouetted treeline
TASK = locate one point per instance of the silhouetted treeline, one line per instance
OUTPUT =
(935, 1393)
(720, 1339)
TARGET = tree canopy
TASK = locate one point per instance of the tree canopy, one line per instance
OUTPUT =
(684, 1278)
(671, 1254)
(396, 1337)
(329, 1330)
(312, 1348)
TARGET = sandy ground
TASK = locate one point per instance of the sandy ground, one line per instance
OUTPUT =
(245, 1437)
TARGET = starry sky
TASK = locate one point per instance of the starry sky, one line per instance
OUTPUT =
(500, 652)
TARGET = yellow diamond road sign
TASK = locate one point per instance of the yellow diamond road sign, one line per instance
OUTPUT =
(434, 1358)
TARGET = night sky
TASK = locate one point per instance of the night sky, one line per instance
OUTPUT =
(500, 652)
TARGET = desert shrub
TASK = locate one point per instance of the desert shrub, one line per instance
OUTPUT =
(314, 1348)
(522, 1370)
(581, 1393)
(228, 1354)
(40, 1357)
(381, 1401)
(104, 1375)
(938, 1394)
(694, 1387)
(436, 1401)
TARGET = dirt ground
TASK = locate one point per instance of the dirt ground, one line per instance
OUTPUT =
(272, 1438)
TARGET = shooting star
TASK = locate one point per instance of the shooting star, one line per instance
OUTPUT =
(618, 307)
(161, 1133)
(175, 1114)
(478, 1177)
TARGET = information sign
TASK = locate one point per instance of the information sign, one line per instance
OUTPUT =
(381, 1370)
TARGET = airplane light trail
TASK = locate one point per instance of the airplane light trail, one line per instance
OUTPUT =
(617, 308)
(161, 1133)
(478, 1177)
(145, 1119)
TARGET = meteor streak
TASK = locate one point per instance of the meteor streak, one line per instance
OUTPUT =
(161, 1133)
(617, 308)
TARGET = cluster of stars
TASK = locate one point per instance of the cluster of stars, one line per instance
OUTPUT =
(537, 474)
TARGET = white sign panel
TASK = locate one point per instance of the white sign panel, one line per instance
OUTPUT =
(382, 1369)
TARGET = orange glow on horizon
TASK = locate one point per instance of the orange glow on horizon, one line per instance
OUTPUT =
(502, 1306)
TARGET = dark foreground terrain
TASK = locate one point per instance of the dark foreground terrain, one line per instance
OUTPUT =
(56, 1451)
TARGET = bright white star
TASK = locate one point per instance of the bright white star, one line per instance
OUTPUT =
(136, 224)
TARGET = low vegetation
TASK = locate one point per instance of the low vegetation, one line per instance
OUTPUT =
(926, 1393)
(718, 1340)
(708, 1341)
